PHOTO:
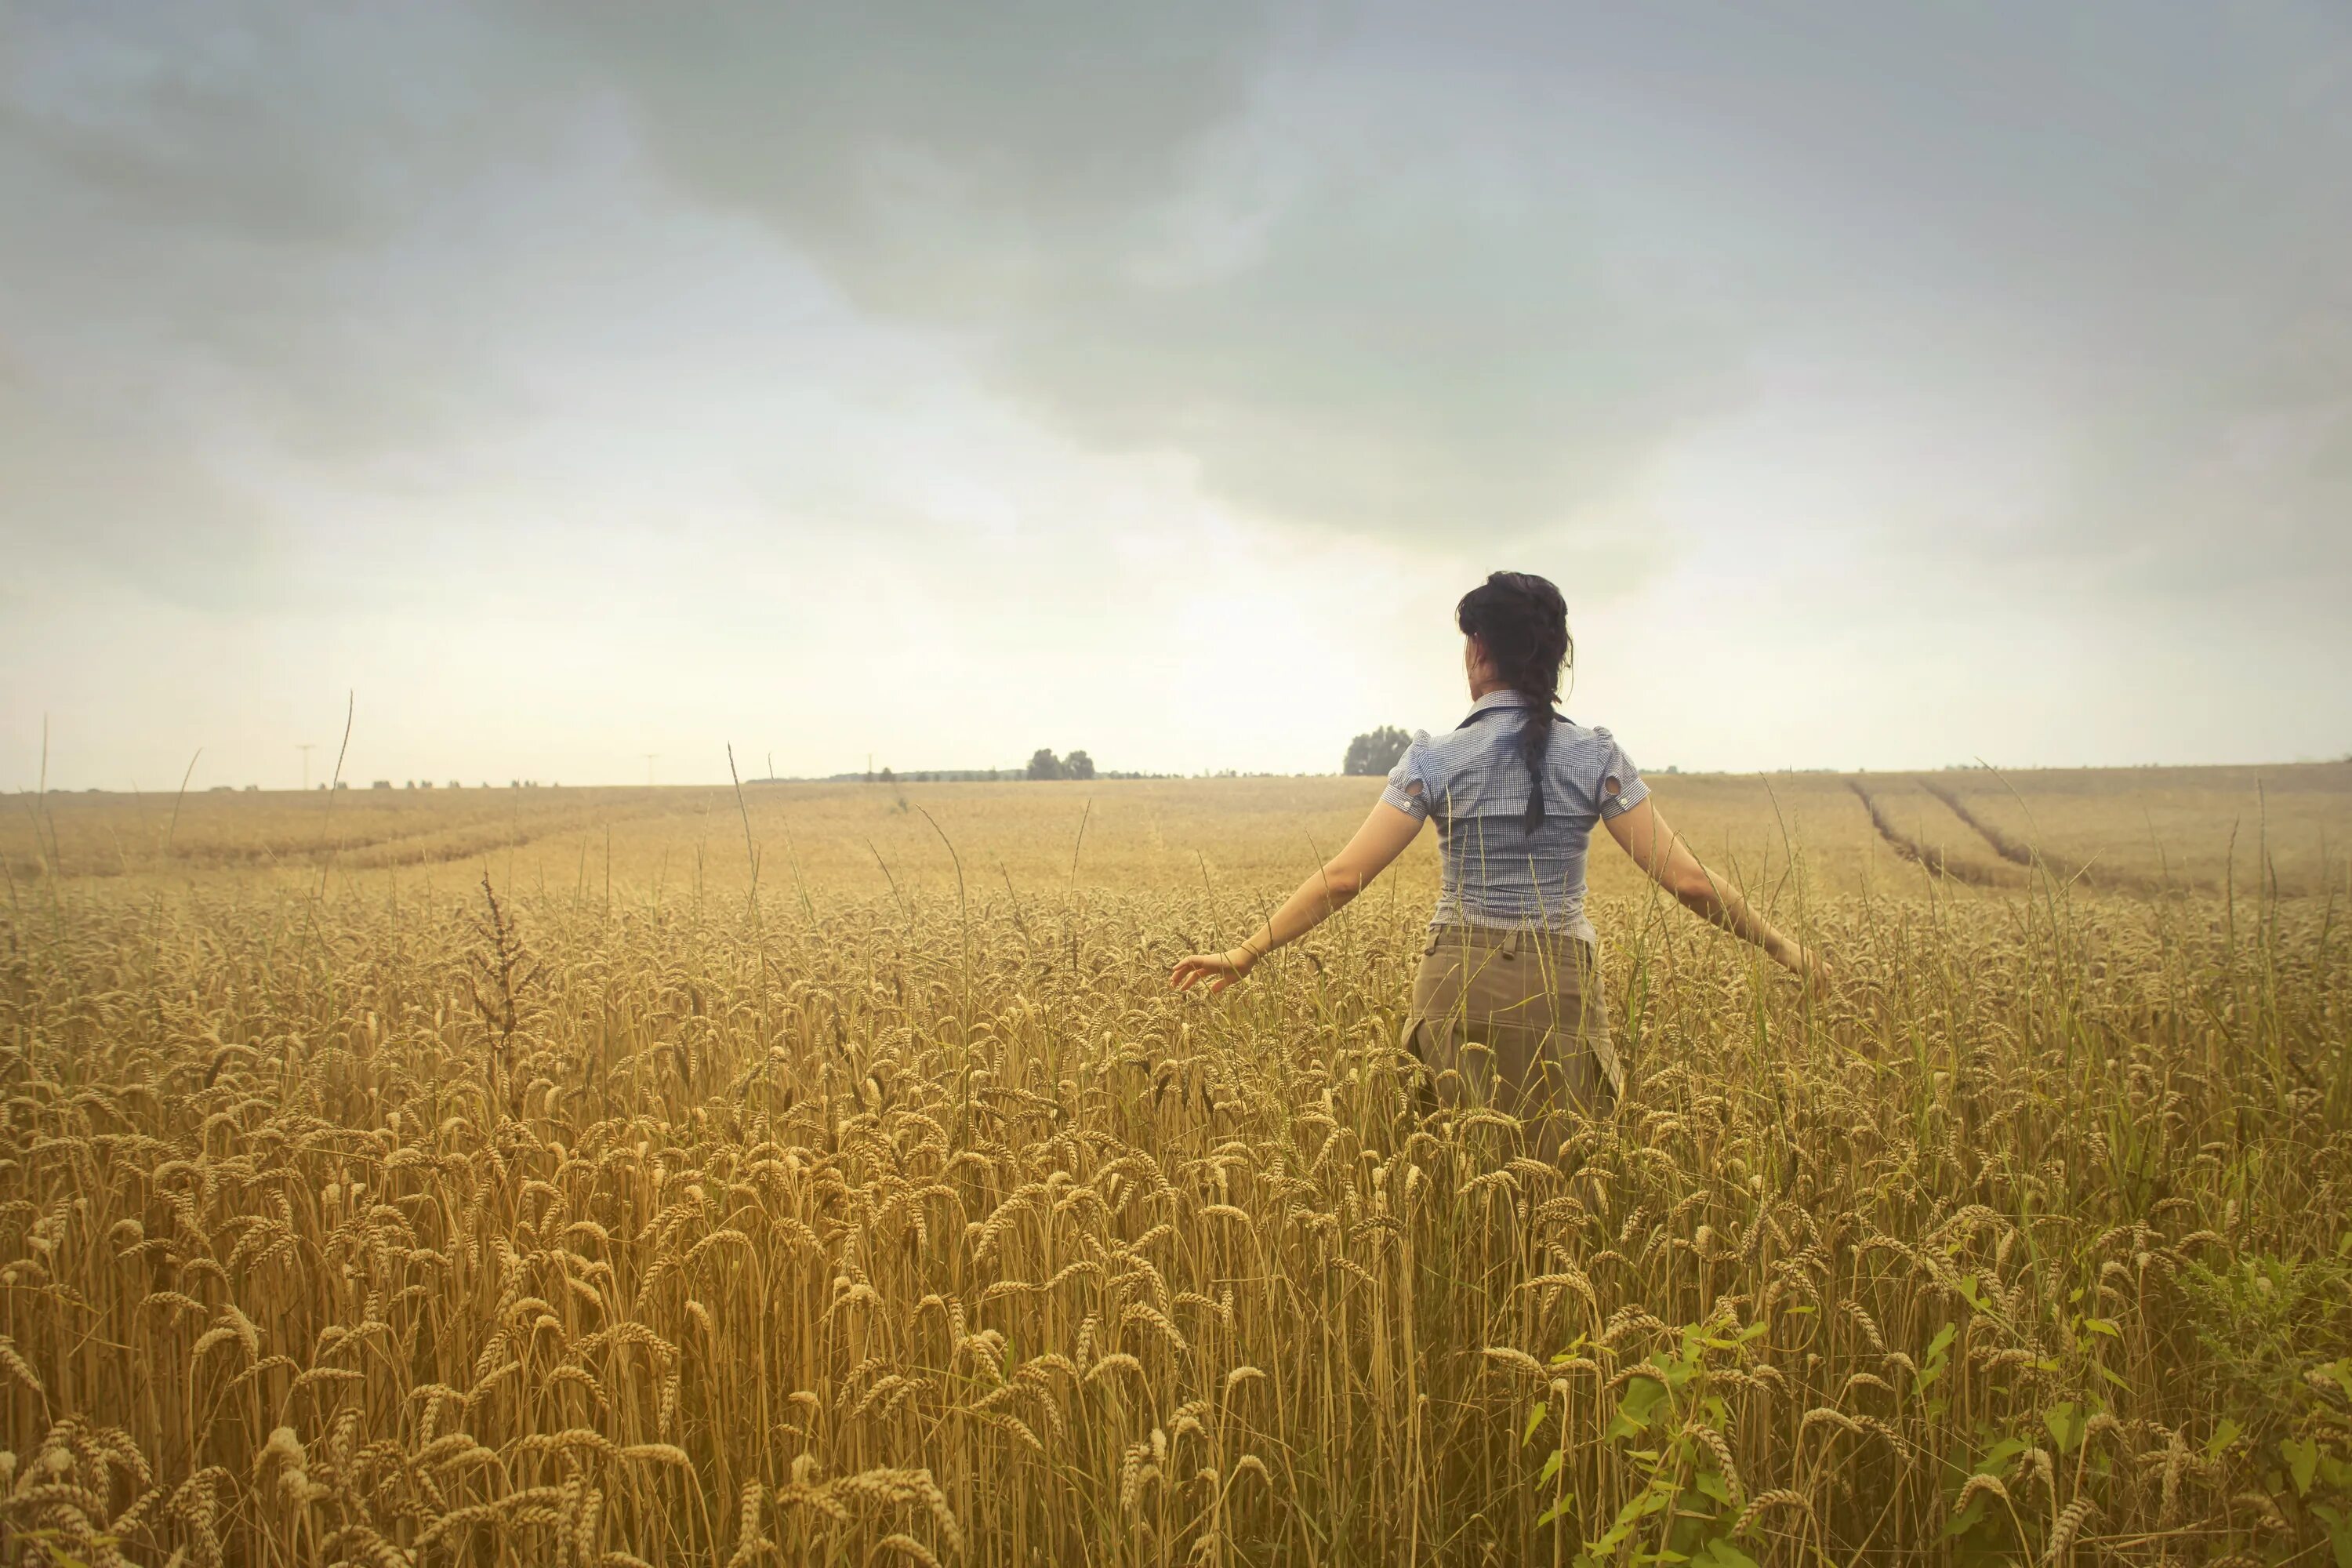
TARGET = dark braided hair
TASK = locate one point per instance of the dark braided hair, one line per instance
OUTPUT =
(1521, 621)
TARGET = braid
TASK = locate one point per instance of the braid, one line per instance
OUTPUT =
(1522, 622)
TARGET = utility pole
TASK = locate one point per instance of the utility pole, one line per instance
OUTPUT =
(305, 749)
(649, 757)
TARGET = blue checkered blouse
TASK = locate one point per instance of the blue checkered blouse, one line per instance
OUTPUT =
(1473, 781)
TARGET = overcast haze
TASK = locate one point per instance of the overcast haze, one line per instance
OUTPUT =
(1884, 385)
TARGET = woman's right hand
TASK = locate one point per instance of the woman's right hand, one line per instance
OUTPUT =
(1806, 963)
(1219, 969)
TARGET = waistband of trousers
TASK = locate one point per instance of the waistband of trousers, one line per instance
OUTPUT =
(1513, 938)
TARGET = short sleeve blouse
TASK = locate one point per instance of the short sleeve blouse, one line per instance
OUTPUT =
(1408, 787)
(1497, 867)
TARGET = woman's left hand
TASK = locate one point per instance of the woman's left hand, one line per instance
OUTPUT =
(1219, 969)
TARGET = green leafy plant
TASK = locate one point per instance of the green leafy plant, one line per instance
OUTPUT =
(1674, 1430)
(2264, 1323)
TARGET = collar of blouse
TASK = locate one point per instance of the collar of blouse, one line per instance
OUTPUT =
(1503, 697)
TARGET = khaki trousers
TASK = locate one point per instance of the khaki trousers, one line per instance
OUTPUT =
(1513, 1021)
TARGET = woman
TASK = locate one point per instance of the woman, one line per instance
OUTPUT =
(1507, 1009)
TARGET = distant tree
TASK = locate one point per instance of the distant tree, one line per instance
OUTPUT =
(1376, 752)
(1043, 765)
(1078, 765)
(887, 777)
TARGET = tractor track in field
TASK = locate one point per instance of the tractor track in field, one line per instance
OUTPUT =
(1918, 854)
(2017, 854)
(2001, 843)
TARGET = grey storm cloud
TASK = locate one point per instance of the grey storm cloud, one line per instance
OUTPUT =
(1456, 272)
(224, 174)
(1402, 269)
(1242, 234)
(208, 216)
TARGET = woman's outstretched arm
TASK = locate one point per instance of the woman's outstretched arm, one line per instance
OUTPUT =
(1641, 833)
(1382, 838)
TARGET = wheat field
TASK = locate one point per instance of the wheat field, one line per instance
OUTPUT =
(827, 1174)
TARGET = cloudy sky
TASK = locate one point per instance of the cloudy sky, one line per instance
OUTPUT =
(1884, 385)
